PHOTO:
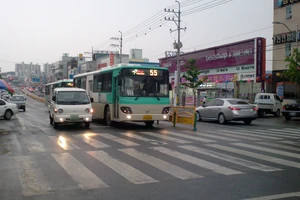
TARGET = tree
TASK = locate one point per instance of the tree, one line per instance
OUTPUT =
(192, 77)
(293, 72)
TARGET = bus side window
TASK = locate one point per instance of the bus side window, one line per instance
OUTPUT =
(97, 83)
(90, 85)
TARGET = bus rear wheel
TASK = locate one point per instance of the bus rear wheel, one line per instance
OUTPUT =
(108, 121)
(149, 123)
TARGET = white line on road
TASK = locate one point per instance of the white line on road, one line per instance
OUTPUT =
(21, 122)
(161, 164)
(138, 137)
(84, 178)
(280, 146)
(255, 147)
(33, 145)
(219, 132)
(239, 132)
(277, 196)
(165, 137)
(291, 142)
(133, 175)
(31, 178)
(256, 155)
(64, 143)
(271, 133)
(91, 141)
(122, 141)
(196, 161)
(232, 159)
(213, 136)
(189, 137)
(287, 130)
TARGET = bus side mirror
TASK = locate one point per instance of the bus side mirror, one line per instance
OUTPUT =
(170, 86)
(54, 98)
(92, 100)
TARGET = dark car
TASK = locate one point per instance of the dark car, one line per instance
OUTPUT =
(292, 109)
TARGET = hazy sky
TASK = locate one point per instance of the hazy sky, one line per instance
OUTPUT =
(40, 31)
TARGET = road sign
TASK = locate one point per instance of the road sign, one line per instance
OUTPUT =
(35, 79)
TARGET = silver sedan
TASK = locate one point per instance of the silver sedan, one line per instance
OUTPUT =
(224, 110)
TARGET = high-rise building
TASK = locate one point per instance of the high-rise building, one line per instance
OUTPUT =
(27, 71)
(286, 37)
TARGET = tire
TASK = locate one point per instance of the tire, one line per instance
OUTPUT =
(24, 109)
(198, 116)
(261, 113)
(277, 114)
(288, 118)
(51, 120)
(55, 125)
(107, 117)
(8, 115)
(222, 119)
(149, 123)
(87, 125)
(248, 121)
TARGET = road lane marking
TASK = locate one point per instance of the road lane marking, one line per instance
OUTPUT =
(131, 174)
(84, 178)
(280, 146)
(122, 141)
(33, 145)
(268, 133)
(138, 137)
(196, 161)
(277, 196)
(161, 164)
(87, 138)
(165, 137)
(213, 136)
(255, 147)
(219, 132)
(188, 137)
(21, 123)
(32, 180)
(291, 142)
(252, 135)
(256, 155)
(64, 143)
(287, 130)
(232, 159)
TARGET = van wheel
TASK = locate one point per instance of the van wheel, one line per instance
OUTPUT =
(8, 115)
(247, 122)
(87, 124)
(277, 114)
(107, 116)
(288, 118)
(55, 125)
(24, 109)
(51, 120)
(222, 119)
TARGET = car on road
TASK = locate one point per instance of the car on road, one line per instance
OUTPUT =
(20, 100)
(7, 110)
(291, 109)
(227, 109)
(268, 103)
(70, 105)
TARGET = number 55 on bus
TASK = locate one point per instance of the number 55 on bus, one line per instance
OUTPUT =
(128, 92)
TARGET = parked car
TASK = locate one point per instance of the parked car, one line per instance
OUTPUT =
(7, 110)
(291, 109)
(20, 100)
(224, 110)
(268, 103)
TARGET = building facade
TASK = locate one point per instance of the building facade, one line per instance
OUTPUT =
(238, 68)
(27, 71)
(286, 37)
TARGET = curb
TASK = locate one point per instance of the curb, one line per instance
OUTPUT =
(42, 100)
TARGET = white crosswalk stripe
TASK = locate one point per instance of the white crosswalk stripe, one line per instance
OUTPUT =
(64, 143)
(287, 130)
(212, 136)
(280, 146)
(220, 132)
(84, 178)
(125, 170)
(232, 159)
(239, 132)
(291, 142)
(161, 164)
(165, 137)
(122, 141)
(196, 161)
(269, 133)
(183, 135)
(87, 138)
(138, 137)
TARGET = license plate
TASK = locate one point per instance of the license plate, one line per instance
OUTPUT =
(147, 117)
(74, 118)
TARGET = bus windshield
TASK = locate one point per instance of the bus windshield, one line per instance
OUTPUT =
(145, 86)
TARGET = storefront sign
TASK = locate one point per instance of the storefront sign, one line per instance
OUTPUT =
(229, 70)
(112, 59)
(259, 57)
(246, 76)
(232, 54)
(282, 3)
(285, 38)
(220, 77)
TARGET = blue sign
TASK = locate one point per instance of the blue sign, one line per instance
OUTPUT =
(35, 79)
(71, 76)
(280, 90)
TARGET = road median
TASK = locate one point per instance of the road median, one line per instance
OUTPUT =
(40, 99)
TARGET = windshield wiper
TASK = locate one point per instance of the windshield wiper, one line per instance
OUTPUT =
(157, 97)
(136, 98)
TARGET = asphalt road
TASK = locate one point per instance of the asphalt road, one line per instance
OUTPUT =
(130, 161)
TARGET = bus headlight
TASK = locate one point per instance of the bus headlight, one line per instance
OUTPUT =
(126, 110)
(165, 110)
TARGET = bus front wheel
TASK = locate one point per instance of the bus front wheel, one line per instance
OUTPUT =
(107, 116)
(149, 123)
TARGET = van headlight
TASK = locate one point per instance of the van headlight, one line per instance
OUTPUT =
(89, 110)
(60, 111)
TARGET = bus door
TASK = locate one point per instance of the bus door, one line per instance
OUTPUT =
(116, 92)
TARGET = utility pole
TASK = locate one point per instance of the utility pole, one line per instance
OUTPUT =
(177, 46)
(120, 46)
(297, 35)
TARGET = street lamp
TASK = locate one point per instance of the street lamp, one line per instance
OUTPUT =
(289, 30)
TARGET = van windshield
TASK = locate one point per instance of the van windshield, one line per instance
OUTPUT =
(17, 98)
(72, 98)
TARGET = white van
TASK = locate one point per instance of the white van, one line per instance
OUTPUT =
(70, 105)
(268, 103)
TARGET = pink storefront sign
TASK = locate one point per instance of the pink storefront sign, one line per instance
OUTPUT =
(220, 77)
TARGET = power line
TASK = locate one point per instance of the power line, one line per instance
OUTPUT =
(201, 6)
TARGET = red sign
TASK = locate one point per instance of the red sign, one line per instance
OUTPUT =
(111, 59)
(100, 66)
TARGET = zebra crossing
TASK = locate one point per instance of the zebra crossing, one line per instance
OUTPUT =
(150, 157)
